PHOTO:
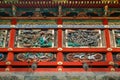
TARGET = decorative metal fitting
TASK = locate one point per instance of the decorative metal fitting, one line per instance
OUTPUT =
(59, 62)
(59, 69)
(10, 49)
(106, 26)
(28, 60)
(59, 49)
(12, 26)
(109, 49)
(112, 69)
(7, 69)
(60, 26)
(34, 60)
(8, 63)
(111, 63)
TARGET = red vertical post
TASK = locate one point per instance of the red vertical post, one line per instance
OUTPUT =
(109, 57)
(59, 54)
(10, 56)
(59, 36)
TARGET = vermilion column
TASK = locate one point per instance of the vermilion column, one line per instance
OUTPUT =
(10, 56)
(59, 54)
(109, 57)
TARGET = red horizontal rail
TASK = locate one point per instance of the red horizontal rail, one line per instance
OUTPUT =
(29, 70)
(35, 49)
(84, 49)
(89, 63)
(115, 49)
(3, 49)
(17, 63)
(55, 50)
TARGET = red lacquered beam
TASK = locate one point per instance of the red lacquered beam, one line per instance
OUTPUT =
(17, 63)
(115, 49)
(89, 70)
(89, 63)
(118, 62)
(2, 63)
(3, 49)
(35, 49)
(2, 69)
(84, 50)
